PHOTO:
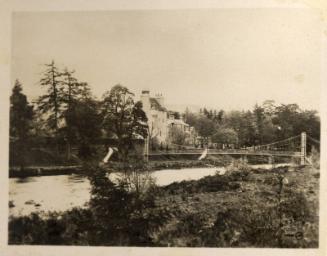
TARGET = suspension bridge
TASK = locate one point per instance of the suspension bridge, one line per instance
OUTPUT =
(294, 147)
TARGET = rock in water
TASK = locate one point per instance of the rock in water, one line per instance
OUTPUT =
(30, 202)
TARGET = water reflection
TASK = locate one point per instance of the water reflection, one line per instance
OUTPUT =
(48, 193)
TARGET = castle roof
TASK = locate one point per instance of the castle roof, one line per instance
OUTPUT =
(177, 121)
(156, 105)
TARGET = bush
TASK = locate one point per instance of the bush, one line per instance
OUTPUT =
(238, 165)
(227, 182)
(123, 217)
(55, 229)
(287, 223)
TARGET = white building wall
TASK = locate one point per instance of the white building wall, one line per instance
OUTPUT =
(157, 120)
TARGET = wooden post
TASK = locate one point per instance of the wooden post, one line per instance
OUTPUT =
(270, 159)
(146, 149)
(303, 147)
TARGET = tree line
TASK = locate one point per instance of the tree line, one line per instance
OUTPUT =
(69, 113)
(266, 123)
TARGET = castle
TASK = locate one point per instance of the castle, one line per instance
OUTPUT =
(161, 120)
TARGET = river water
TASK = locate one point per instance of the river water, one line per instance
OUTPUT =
(63, 192)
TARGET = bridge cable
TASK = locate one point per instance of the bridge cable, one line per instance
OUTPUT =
(274, 143)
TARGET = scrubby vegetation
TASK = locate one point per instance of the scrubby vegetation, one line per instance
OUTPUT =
(268, 208)
(242, 208)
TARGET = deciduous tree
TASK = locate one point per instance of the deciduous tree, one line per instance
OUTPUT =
(123, 118)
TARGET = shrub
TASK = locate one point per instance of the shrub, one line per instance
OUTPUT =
(286, 223)
(239, 165)
(55, 229)
(123, 217)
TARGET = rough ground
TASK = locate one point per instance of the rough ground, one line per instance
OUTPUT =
(256, 192)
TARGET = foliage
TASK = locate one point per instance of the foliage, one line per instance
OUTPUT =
(279, 217)
(123, 217)
(115, 217)
(76, 98)
(176, 136)
(51, 103)
(58, 105)
(250, 225)
(214, 183)
(205, 127)
(238, 165)
(66, 228)
(225, 135)
(21, 115)
(139, 182)
(266, 123)
(123, 119)
(276, 216)
(84, 122)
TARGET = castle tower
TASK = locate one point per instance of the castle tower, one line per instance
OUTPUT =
(160, 99)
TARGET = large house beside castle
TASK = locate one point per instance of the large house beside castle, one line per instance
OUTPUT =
(160, 119)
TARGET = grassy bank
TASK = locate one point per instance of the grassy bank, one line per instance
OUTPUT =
(243, 208)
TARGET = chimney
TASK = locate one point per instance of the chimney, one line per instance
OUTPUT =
(160, 99)
(145, 99)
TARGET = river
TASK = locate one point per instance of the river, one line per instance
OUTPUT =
(63, 192)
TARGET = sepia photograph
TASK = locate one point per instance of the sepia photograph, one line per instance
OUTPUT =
(192, 128)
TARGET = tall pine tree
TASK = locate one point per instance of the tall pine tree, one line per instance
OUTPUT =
(51, 103)
(74, 92)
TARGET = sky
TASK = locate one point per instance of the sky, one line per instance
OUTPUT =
(218, 58)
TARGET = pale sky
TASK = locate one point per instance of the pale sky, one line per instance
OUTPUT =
(219, 58)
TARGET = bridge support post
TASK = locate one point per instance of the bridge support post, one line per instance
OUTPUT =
(303, 147)
(146, 149)
(270, 159)
(244, 159)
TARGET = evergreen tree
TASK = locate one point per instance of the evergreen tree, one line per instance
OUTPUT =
(51, 103)
(21, 115)
(72, 89)
(73, 93)
(259, 114)
(84, 122)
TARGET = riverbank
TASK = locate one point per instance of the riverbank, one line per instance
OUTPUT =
(242, 208)
(163, 164)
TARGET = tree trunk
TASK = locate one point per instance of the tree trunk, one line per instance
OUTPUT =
(68, 150)
(22, 156)
(21, 150)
